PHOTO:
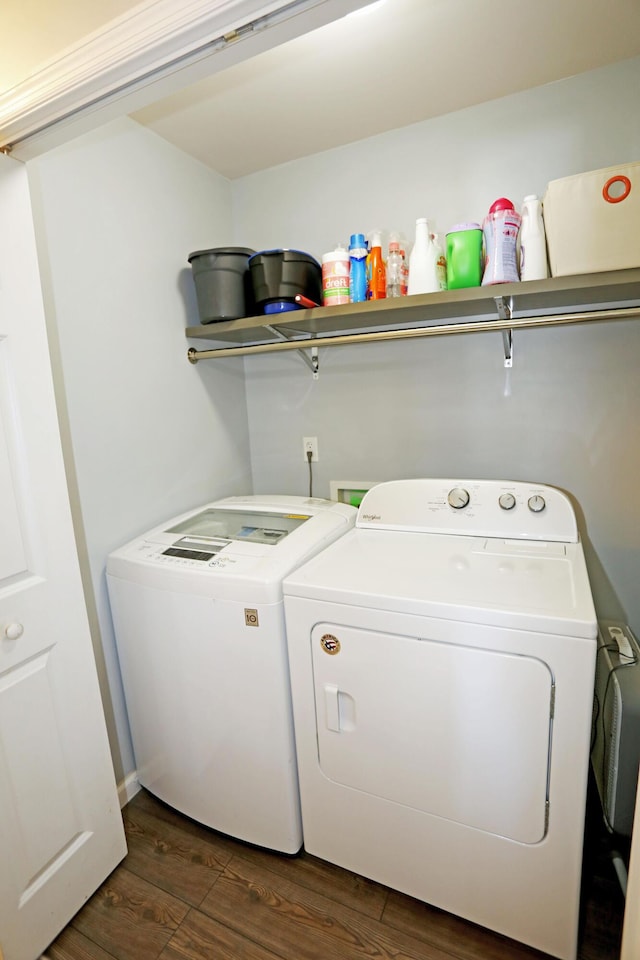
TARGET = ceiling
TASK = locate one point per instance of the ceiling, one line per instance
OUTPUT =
(394, 63)
(389, 65)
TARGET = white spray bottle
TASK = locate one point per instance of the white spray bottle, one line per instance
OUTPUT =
(423, 261)
(533, 244)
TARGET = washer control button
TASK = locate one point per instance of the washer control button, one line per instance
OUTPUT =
(458, 498)
(507, 501)
(536, 503)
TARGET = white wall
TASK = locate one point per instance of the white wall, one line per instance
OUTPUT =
(443, 407)
(118, 212)
(449, 169)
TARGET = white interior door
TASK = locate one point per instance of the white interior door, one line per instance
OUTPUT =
(61, 831)
(458, 732)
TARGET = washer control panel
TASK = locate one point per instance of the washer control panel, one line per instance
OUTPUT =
(185, 552)
(492, 508)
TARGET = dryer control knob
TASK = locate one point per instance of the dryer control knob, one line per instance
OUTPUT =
(507, 501)
(536, 503)
(458, 498)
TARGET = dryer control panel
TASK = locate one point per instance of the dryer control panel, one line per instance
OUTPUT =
(490, 508)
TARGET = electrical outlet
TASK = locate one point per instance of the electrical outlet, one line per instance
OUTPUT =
(310, 444)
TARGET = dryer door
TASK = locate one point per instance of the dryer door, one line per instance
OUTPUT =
(457, 732)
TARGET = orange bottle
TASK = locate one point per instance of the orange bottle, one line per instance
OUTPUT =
(377, 270)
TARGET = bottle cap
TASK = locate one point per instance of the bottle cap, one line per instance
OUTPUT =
(459, 227)
(531, 196)
(501, 204)
(375, 239)
(357, 240)
(340, 253)
(394, 245)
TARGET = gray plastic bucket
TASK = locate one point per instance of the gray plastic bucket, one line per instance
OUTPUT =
(222, 281)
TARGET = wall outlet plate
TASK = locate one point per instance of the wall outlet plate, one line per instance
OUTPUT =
(310, 444)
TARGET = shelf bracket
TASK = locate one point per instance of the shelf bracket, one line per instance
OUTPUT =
(507, 340)
(312, 362)
(504, 308)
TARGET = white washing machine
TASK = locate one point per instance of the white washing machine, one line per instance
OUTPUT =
(198, 614)
(442, 667)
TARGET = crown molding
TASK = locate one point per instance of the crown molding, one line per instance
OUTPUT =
(155, 38)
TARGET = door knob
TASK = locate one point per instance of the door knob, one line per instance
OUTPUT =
(14, 631)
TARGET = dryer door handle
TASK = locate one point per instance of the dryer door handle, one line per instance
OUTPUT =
(332, 707)
(339, 709)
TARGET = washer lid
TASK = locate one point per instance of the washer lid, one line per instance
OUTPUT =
(236, 549)
(246, 525)
(528, 585)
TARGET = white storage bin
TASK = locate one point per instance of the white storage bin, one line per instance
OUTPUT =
(592, 221)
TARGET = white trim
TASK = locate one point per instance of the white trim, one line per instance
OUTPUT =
(141, 41)
(128, 788)
(155, 39)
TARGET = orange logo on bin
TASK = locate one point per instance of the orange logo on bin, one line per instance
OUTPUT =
(617, 197)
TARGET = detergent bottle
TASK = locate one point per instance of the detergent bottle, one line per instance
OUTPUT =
(357, 268)
(533, 244)
(500, 229)
(464, 255)
(377, 289)
(395, 266)
(441, 261)
(423, 261)
(336, 267)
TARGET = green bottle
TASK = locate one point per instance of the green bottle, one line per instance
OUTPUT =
(464, 256)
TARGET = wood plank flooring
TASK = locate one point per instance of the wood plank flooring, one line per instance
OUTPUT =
(188, 893)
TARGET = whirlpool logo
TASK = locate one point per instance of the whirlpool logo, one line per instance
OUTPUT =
(370, 517)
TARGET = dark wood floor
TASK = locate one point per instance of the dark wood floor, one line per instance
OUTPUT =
(187, 893)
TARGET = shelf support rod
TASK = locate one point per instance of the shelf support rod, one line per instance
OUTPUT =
(472, 326)
(505, 309)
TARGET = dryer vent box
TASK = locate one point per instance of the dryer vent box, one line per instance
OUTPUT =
(350, 491)
(616, 735)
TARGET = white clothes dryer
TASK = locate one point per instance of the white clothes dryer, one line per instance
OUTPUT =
(442, 660)
(199, 621)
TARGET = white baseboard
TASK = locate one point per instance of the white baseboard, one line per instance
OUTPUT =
(128, 788)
